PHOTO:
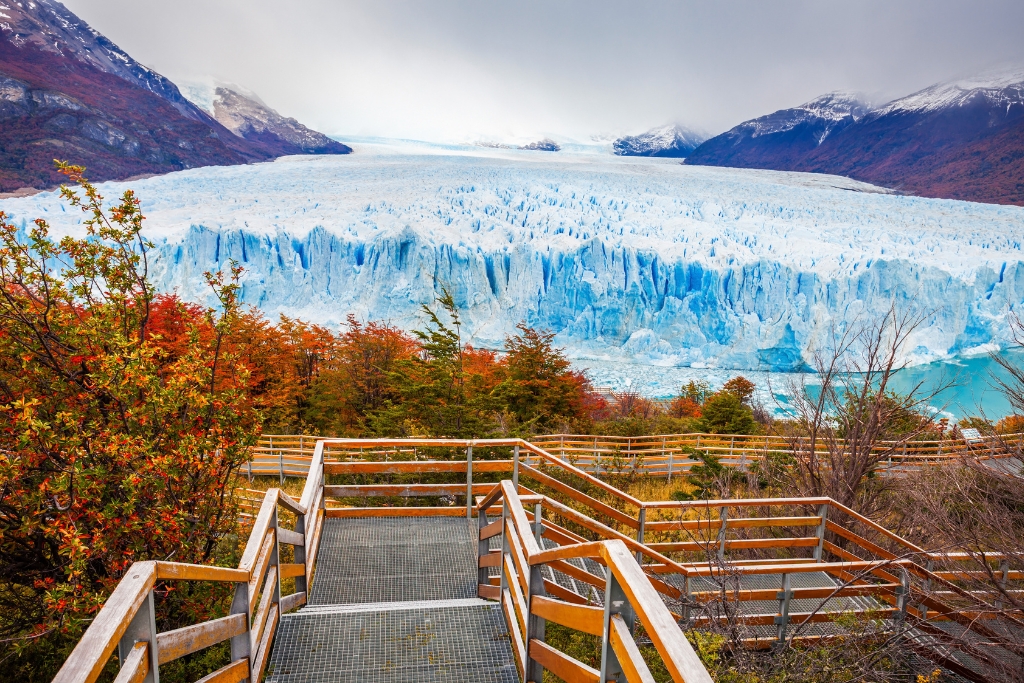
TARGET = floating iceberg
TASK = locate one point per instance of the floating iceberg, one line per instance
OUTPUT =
(624, 258)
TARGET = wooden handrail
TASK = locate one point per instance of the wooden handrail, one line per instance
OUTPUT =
(525, 604)
(128, 612)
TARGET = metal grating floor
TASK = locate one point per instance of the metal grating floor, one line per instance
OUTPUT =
(394, 601)
(394, 559)
(447, 645)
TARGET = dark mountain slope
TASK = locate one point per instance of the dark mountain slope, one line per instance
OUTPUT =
(960, 140)
(781, 139)
(66, 92)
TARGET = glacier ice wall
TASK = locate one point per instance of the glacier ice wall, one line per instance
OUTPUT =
(623, 258)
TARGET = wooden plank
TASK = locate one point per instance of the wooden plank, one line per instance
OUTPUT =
(579, 496)
(799, 593)
(235, 672)
(512, 584)
(562, 665)
(491, 559)
(290, 537)
(553, 589)
(415, 466)
(735, 523)
(796, 618)
(285, 501)
(738, 544)
(626, 651)
(263, 653)
(492, 529)
(560, 535)
(595, 526)
(291, 570)
(521, 525)
(290, 602)
(263, 611)
(90, 656)
(579, 574)
(565, 552)
(335, 513)
(859, 540)
(579, 617)
(175, 644)
(734, 503)
(256, 582)
(488, 592)
(513, 629)
(402, 490)
(516, 551)
(136, 665)
(178, 571)
(253, 547)
(681, 661)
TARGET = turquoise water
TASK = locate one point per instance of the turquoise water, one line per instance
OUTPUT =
(974, 393)
(971, 393)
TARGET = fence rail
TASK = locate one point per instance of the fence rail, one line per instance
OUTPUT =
(667, 455)
(659, 562)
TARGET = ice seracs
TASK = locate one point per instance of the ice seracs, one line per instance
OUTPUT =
(631, 258)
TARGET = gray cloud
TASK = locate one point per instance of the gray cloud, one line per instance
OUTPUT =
(471, 69)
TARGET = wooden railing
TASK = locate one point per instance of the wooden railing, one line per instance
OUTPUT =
(127, 621)
(670, 455)
(666, 455)
(584, 517)
(529, 601)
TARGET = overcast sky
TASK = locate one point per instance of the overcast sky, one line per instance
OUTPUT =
(466, 70)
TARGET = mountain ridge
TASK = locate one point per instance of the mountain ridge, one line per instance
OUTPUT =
(960, 139)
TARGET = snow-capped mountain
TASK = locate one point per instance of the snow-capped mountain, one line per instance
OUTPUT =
(661, 263)
(67, 92)
(783, 136)
(1002, 89)
(248, 117)
(50, 27)
(962, 140)
(667, 141)
(545, 145)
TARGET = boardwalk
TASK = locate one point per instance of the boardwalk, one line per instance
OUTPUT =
(394, 600)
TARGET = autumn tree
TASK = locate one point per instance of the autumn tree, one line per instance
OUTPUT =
(540, 388)
(122, 420)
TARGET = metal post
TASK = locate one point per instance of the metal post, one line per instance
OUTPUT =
(615, 604)
(724, 514)
(823, 513)
(483, 548)
(642, 519)
(142, 628)
(670, 454)
(300, 551)
(248, 468)
(515, 467)
(902, 597)
(280, 465)
(687, 600)
(275, 559)
(782, 620)
(241, 647)
(505, 549)
(535, 626)
(538, 525)
(469, 482)
(596, 467)
(561, 448)
(1004, 569)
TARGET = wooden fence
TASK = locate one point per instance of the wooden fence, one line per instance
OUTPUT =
(670, 455)
(660, 562)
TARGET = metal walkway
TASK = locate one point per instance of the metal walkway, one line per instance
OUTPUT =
(394, 600)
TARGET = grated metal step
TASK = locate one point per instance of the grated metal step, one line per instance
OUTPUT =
(467, 643)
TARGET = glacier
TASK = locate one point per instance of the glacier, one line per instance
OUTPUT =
(624, 258)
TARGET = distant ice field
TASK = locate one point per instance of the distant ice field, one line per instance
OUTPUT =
(626, 259)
